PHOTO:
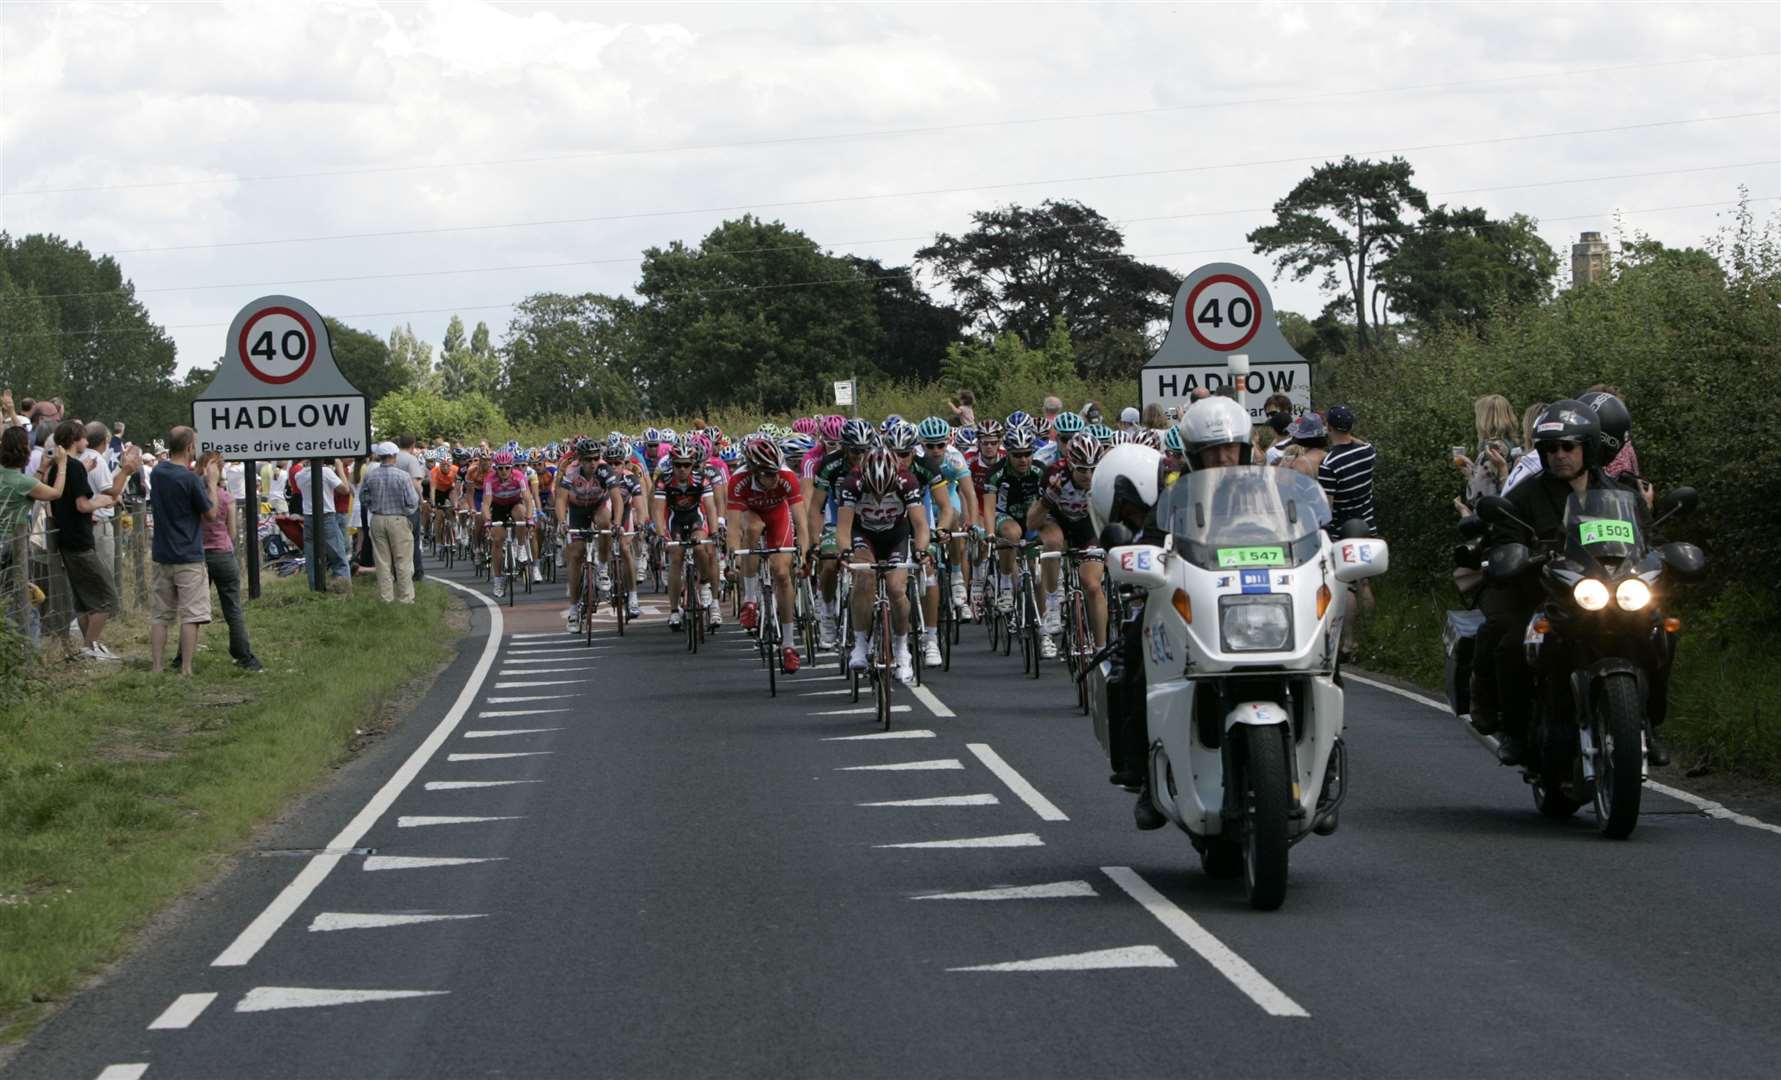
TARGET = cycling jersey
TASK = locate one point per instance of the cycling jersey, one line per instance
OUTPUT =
(950, 471)
(1014, 493)
(980, 470)
(587, 488)
(504, 487)
(772, 506)
(878, 513)
(444, 477)
(683, 497)
(829, 475)
(1065, 500)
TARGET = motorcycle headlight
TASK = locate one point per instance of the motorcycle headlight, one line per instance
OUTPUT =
(1255, 623)
(1632, 594)
(1590, 594)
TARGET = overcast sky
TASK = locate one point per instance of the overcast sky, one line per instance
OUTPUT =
(175, 135)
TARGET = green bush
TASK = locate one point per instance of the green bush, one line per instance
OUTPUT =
(427, 415)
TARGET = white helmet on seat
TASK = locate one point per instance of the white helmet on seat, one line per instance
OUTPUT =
(1129, 472)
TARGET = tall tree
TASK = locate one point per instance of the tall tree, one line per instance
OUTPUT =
(1018, 268)
(756, 314)
(916, 332)
(1341, 220)
(570, 354)
(1458, 265)
(367, 362)
(464, 368)
(415, 356)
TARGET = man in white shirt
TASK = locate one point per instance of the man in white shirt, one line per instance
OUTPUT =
(235, 476)
(102, 478)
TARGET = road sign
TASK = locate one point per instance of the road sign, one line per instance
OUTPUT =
(278, 392)
(1223, 310)
(844, 392)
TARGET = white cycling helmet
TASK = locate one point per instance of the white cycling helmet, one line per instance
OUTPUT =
(1131, 472)
(1215, 421)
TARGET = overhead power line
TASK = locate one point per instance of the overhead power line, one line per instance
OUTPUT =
(1000, 186)
(970, 125)
(627, 259)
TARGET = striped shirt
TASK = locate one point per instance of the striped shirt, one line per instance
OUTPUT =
(388, 490)
(1347, 478)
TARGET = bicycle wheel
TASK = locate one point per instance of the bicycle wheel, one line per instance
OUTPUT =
(949, 623)
(615, 571)
(1034, 625)
(587, 599)
(693, 616)
(769, 644)
(885, 677)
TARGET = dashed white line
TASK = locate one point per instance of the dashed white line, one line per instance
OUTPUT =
(900, 733)
(1054, 890)
(527, 697)
(523, 685)
(132, 1071)
(1132, 956)
(941, 800)
(907, 766)
(1007, 840)
(267, 998)
(420, 862)
(1196, 937)
(418, 821)
(328, 921)
(179, 1015)
(497, 757)
(926, 697)
(523, 712)
(1027, 793)
(526, 673)
(266, 923)
(495, 733)
(461, 785)
(864, 710)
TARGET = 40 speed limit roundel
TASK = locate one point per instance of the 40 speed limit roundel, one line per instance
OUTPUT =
(277, 345)
(1223, 312)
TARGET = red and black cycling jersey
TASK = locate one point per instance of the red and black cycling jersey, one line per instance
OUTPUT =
(1062, 497)
(879, 513)
(684, 497)
(746, 493)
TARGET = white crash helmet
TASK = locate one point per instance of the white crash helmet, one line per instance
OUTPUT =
(1215, 421)
(1130, 471)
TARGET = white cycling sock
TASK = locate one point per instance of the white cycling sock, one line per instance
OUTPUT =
(930, 634)
(786, 632)
(751, 590)
(859, 640)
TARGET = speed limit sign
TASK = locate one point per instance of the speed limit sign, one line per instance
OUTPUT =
(277, 345)
(1223, 312)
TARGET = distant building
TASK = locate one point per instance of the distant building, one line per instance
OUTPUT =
(1589, 260)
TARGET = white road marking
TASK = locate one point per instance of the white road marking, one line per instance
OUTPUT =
(353, 920)
(494, 733)
(910, 733)
(529, 697)
(267, 998)
(496, 757)
(1056, 890)
(548, 660)
(865, 710)
(1017, 783)
(926, 697)
(522, 637)
(266, 923)
(524, 712)
(460, 785)
(419, 862)
(1132, 956)
(526, 673)
(179, 1015)
(416, 821)
(523, 685)
(1196, 937)
(907, 766)
(1025, 839)
(940, 800)
(132, 1071)
(552, 648)
(1706, 806)
(824, 693)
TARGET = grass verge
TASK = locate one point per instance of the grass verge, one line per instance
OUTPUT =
(120, 789)
(1725, 696)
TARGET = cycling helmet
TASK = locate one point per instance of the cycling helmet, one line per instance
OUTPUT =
(1129, 474)
(1085, 453)
(856, 435)
(829, 430)
(762, 454)
(1019, 440)
(805, 425)
(651, 436)
(1018, 419)
(1172, 441)
(1148, 437)
(935, 430)
(730, 456)
(1121, 438)
(890, 421)
(878, 472)
(1570, 420)
(1047, 428)
(686, 452)
(617, 451)
(900, 437)
(796, 446)
(460, 455)
(1617, 423)
(1102, 432)
(1216, 421)
(503, 459)
(989, 433)
(967, 438)
(1067, 424)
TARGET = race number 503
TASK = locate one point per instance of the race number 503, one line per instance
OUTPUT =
(277, 345)
(1223, 312)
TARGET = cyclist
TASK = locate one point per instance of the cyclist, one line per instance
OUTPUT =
(1060, 515)
(765, 505)
(1015, 485)
(584, 500)
(900, 439)
(628, 508)
(954, 501)
(444, 479)
(885, 502)
(983, 462)
(507, 502)
(852, 439)
(684, 511)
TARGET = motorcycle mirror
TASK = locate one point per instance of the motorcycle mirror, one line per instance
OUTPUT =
(1471, 527)
(1507, 561)
(1497, 510)
(1689, 562)
(1682, 500)
(1116, 534)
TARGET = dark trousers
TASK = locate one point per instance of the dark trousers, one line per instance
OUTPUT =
(414, 523)
(225, 574)
(1499, 652)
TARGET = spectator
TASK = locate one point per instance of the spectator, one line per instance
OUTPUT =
(11, 416)
(412, 467)
(181, 502)
(1199, 393)
(391, 499)
(1154, 417)
(1527, 463)
(332, 541)
(1053, 405)
(18, 488)
(117, 438)
(218, 534)
(1129, 418)
(1346, 472)
(235, 479)
(1091, 412)
(102, 478)
(277, 474)
(1312, 437)
(89, 577)
(1493, 421)
(964, 410)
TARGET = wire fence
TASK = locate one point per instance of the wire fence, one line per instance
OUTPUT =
(35, 595)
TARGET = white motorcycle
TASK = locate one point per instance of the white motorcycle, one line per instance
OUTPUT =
(1242, 623)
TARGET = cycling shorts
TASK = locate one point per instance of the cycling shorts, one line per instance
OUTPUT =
(582, 517)
(681, 522)
(442, 499)
(778, 522)
(1078, 532)
(502, 514)
(892, 543)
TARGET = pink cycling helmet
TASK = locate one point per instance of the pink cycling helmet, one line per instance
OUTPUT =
(830, 428)
(804, 425)
(504, 460)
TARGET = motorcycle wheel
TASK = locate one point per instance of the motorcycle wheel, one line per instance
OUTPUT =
(1267, 791)
(1619, 770)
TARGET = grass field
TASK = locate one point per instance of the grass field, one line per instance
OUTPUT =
(120, 789)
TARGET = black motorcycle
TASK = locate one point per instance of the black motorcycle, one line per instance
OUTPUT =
(1595, 646)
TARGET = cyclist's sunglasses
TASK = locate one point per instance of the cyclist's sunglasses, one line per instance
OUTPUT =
(1022, 454)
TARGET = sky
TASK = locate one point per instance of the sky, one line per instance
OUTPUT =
(398, 162)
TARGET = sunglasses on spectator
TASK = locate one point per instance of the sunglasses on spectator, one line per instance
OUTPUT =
(1569, 446)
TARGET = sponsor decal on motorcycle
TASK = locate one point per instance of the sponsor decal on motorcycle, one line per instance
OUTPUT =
(1231, 558)
(1160, 652)
(1135, 560)
(1605, 531)
(1255, 581)
(1352, 553)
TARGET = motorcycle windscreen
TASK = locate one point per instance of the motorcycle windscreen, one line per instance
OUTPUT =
(1246, 516)
(1603, 523)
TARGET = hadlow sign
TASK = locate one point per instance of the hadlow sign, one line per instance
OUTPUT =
(1223, 310)
(278, 392)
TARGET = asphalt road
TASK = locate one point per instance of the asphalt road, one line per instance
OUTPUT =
(661, 871)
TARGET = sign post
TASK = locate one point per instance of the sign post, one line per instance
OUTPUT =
(844, 395)
(1223, 312)
(278, 393)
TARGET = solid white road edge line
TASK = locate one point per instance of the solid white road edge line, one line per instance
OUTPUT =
(1025, 792)
(267, 922)
(1706, 806)
(1196, 937)
(179, 1015)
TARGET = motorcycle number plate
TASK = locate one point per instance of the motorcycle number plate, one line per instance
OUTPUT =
(1251, 556)
(1605, 531)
